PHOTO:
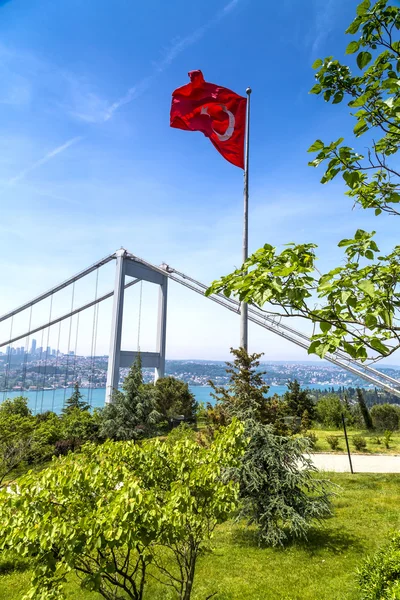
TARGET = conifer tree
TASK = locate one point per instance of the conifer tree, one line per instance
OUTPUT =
(132, 414)
(298, 400)
(245, 395)
(364, 410)
(75, 401)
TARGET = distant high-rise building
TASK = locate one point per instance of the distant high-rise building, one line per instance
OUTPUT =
(33, 347)
(71, 353)
(53, 352)
(48, 351)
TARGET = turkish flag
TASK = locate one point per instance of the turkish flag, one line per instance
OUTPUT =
(216, 111)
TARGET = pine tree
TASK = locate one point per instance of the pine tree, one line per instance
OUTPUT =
(364, 410)
(245, 395)
(75, 401)
(298, 400)
(305, 421)
(132, 414)
(279, 491)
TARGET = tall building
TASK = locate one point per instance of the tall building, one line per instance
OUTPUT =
(33, 347)
(48, 351)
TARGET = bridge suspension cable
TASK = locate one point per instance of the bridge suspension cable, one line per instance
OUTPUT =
(256, 315)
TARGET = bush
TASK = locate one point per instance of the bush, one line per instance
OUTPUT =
(385, 416)
(329, 411)
(379, 576)
(111, 510)
(377, 440)
(333, 441)
(360, 443)
(387, 436)
(312, 439)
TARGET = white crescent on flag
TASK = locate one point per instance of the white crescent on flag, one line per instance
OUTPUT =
(224, 137)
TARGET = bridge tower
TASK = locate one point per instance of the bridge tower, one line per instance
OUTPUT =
(131, 266)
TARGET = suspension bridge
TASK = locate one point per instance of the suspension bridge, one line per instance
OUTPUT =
(63, 365)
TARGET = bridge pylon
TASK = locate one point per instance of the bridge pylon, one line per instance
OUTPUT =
(128, 265)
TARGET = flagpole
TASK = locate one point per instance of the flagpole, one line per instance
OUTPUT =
(244, 323)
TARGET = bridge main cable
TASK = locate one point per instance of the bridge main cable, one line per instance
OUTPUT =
(59, 287)
(66, 316)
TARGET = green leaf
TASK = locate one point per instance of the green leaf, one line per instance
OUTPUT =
(338, 97)
(354, 26)
(379, 346)
(367, 287)
(351, 178)
(363, 59)
(316, 89)
(363, 7)
(352, 47)
(360, 128)
(317, 63)
(370, 321)
(317, 145)
(325, 327)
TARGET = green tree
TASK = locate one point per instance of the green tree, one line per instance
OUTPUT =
(279, 489)
(174, 398)
(15, 406)
(385, 416)
(364, 409)
(245, 394)
(358, 301)
(111, 510)
(329, 411)
(298, 400)
(132, 414)
(77, 427)
(75, 401)
(16, 439)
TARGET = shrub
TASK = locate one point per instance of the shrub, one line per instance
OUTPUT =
(385, 416)
(360, 443)
(333, 441)
(387, 436)
(377, 440)
(312, 439)
(329, 411)
(113, 509)
(379, 576)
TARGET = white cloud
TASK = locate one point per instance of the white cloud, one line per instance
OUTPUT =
(178, 46)
(324, 22)
(45, 159)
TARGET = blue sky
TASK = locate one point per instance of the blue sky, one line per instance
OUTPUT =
(88, 162)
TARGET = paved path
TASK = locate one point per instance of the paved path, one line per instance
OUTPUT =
(362, 463)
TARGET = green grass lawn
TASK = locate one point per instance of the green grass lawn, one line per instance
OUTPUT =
(366, 512)
(373, 447)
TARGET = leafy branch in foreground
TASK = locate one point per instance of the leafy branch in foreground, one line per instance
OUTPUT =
(373, 182)
(355, 305)
(358, 300)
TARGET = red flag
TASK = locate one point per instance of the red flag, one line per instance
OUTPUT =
(216, 111)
